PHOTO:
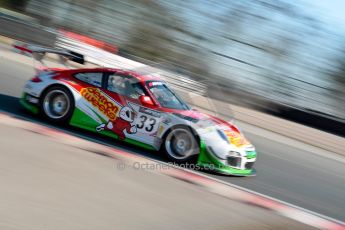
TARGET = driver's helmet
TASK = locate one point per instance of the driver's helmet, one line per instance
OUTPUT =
(160, 95)
(118, 84)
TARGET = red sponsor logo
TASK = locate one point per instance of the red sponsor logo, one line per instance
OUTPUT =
(99, 100)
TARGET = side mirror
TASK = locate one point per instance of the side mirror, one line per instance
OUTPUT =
(146, 100)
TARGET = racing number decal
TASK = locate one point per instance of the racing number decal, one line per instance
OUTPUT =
(151, 124)
(147, 123)
(143, 119)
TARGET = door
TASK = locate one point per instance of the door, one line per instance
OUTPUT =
(93, 106)
(133, 120)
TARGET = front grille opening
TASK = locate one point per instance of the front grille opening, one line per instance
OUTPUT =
(234, 161)
(249, 165)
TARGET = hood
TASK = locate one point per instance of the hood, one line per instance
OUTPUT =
(200, 117)
(230, 131)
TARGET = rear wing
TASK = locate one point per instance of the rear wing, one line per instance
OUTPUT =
(39, 53)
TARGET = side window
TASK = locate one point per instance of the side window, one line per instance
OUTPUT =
(94, 78)
(116, 83)
(125, 85)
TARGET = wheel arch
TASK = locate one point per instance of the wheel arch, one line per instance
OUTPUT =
(193, 131)
(70, 95)
(45, 90)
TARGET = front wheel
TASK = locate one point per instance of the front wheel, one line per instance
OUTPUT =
(57, 104)
(181, 145)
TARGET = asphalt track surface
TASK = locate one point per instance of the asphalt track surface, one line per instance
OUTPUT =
(288, 170)
(48, 183)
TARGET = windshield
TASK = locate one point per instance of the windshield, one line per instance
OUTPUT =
(165, 96)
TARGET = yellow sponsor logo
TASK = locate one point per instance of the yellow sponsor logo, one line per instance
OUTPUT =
(99, 100)
(236, 139)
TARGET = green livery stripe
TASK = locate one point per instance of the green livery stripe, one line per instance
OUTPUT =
(99, 117)
(82, 120)
(251, 154)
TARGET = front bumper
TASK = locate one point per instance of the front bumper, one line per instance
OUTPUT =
(236, 166)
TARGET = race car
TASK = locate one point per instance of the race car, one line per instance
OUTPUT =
(139, 109)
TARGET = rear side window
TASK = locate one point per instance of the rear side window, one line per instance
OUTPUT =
(125, 85)
(94, 78)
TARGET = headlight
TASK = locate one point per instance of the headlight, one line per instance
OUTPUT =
(223, 136)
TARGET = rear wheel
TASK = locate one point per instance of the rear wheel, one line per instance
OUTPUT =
(57, 104)
(181, 145)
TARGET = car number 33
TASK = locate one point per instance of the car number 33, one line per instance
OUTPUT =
(146, 123)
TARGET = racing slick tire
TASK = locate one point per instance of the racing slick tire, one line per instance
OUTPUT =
(57, 104)
(181, 145)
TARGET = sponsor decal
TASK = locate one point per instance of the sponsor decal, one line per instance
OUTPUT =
(160, 130)
(166, 120)
(99, 100)
(236, 139)
(121, 124)
(149, 112)
(122, 120)
(155, 83)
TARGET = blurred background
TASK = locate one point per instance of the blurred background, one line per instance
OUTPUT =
(283, 57)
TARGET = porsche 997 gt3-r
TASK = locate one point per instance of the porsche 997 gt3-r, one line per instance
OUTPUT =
(138, 109)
